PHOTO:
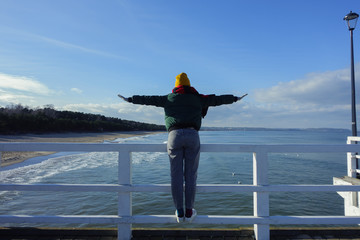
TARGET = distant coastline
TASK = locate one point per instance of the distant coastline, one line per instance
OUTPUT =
(18, 120)
(273, 129)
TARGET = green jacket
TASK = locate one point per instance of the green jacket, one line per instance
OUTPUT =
(184, 109)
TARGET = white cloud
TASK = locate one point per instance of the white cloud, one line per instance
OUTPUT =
(67, 45)
(6, 98)
(22, 90)
(331, 87)
(76, 90)
(80, 48)
(63, 44)
(24, 84)
(89, 108)
(318, 100)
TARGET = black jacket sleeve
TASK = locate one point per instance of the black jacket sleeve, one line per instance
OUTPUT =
(158, 101)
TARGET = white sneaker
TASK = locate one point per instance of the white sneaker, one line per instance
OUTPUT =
(178, 219)
(190, 219)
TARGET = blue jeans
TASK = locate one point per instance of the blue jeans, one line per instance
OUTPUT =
(184, 152)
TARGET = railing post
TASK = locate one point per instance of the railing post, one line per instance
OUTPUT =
(351, 162)
(351, 172)
(124, 198)
(261, 199)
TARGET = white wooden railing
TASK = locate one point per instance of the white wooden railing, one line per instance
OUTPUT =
(124, 220)
(352, 158)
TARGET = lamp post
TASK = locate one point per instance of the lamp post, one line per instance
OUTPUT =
(351, 19)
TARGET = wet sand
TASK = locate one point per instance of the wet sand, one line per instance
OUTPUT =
(8, 158)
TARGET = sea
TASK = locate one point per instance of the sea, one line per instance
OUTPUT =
(153, 168)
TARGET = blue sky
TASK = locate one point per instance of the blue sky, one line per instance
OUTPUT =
(291, 57)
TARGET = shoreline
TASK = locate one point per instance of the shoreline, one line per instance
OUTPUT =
(9, 158)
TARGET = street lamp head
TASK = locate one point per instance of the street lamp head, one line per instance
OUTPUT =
(351, 19)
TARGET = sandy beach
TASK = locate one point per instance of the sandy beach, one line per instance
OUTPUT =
(8, 158)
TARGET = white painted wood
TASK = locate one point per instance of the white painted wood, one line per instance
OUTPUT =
(351, 164)
(352, 139)
(201, 188)
(124, 198)
(201, 219)
(351, 202)
(350, 197)
(112, 147)
(261, 199)
(82, 147)
(260, 187)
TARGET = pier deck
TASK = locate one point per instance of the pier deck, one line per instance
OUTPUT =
(178, 234)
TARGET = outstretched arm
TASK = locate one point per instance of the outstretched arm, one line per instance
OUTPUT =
(213, 100)
(158, 101)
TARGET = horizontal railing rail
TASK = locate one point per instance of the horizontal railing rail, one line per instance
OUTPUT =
(164, 219)
(260, 187)
(201, 188)
(111, 147)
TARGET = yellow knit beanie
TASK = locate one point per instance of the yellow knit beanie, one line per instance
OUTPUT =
(182, 79)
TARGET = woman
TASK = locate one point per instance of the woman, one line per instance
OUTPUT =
(184, 108)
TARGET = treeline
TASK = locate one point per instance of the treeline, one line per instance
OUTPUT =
(17, 119)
